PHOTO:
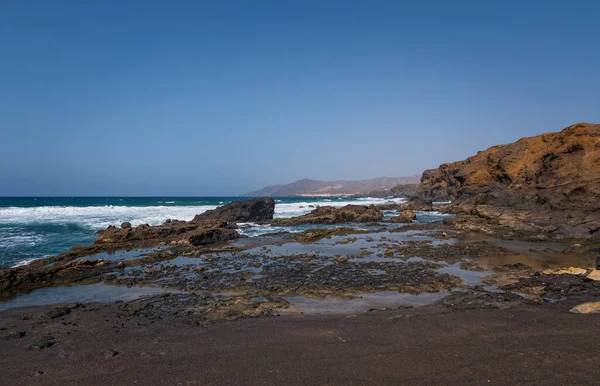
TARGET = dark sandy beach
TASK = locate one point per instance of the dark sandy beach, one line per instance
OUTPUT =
(541, 344)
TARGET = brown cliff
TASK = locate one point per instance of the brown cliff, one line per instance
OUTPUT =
(547, 186)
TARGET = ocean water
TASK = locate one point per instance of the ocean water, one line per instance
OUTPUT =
(32, 228)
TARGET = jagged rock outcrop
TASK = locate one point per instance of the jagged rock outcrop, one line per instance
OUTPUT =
(253, 210)
(547, 186)
(405, 190)
(331, 215)
(406, 216)
(198, 232)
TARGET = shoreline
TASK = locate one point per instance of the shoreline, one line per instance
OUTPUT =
(162, 296)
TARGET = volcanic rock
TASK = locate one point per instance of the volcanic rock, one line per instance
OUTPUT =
(547, 186)
(586, 308)
(565, 271)
(253, 210)
(405, 217)
(198, 232)
(331, 215)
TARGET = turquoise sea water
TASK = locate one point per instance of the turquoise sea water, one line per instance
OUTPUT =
(36, 227)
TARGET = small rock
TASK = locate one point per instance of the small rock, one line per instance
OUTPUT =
(73, 306)
(42, 345)
(173, 242)
(14, 335)
(342, 259)
(199, 268)
(444, 234)
(110, 353)
(58, 312)
(576, 245)
(256, 264)
(565, 271)
(586, 308)
(126, 225)
(120, 265)
(594, 275)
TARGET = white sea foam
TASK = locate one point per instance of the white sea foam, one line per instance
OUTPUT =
(98, 217)
(12, 240)
(24, 263)
(252, 229)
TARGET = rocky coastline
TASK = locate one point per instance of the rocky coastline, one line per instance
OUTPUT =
(519, 237)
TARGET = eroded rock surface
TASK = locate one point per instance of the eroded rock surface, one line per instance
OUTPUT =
(405, 217)
(547, 186)
(198, 232)
(253, 210)
(331, 215)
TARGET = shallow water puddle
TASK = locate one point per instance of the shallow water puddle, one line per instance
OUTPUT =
(88, 293)
(472, 278)
(347, 245)
(120, 254)
(384, 299)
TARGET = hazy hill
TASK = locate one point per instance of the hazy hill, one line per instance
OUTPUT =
(308, 187)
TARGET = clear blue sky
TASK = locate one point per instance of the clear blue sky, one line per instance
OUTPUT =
(223, 97)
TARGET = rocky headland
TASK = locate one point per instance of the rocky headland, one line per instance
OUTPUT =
(542, 187)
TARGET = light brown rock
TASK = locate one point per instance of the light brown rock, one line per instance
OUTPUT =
(586, 308)
(594, 275)
(565, 271)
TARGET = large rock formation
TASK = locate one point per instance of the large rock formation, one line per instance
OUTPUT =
(210, 227)
(198, 232)
(253, 210)
(547, 186)
(331, 215)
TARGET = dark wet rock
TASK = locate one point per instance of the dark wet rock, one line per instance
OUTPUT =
(406, 216)
(57, 312)
(42, 345)
(479, 300)
(14, 335)
(211, 236)
(317, 234)
(331, 215)
(555, 286)
(110, 353)
(126, 225)
(253, 210)
(175, 232)
(37, 275)
(512, 267)
(199, 309)
(542, 187)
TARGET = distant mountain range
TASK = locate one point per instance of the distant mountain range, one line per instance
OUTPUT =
(308, 187)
